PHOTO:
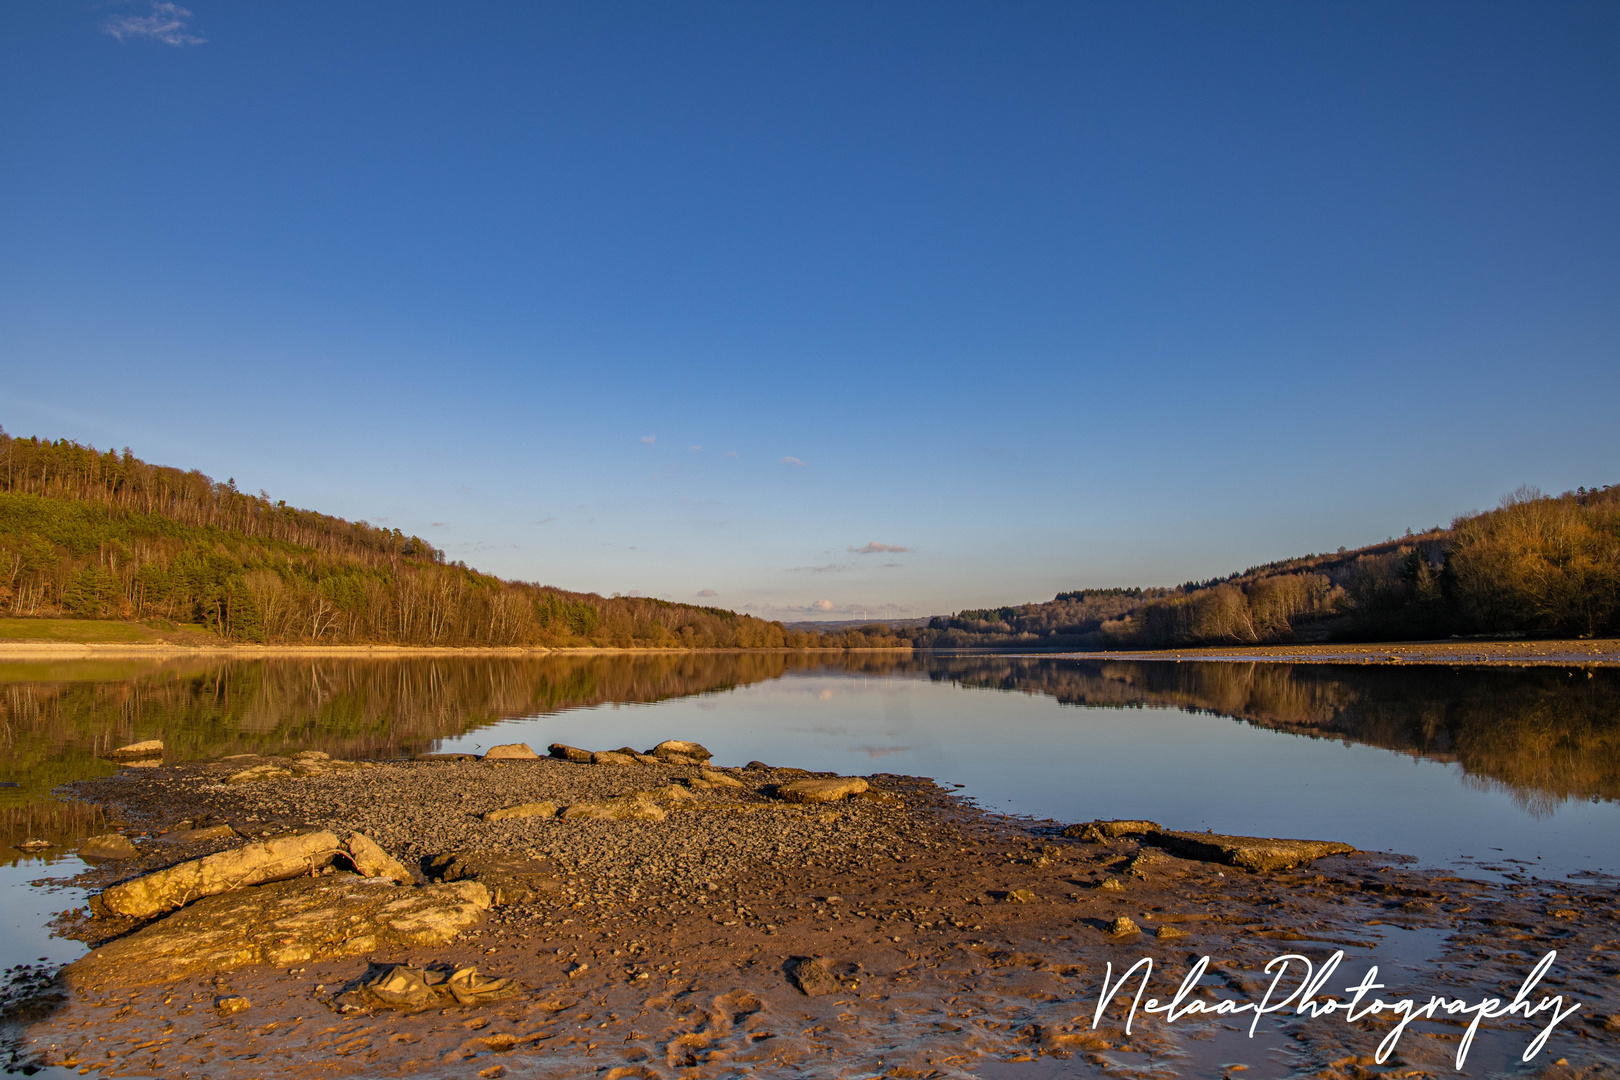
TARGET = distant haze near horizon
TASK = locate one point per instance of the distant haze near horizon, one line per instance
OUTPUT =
(818, 311)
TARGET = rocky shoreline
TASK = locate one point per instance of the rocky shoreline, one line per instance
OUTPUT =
(650, 914)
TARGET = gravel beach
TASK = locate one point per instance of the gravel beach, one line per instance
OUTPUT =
(719, 930)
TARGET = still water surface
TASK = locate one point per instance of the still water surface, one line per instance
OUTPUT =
(1495, 771)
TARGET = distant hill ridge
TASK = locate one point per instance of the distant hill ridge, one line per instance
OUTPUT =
(102, 535)
(1536, 564)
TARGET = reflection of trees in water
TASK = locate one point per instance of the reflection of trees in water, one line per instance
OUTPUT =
(58, 719)
(1540, 733)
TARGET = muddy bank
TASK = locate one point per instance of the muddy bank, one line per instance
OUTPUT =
(724, 931)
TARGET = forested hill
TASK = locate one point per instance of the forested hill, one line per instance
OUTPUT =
(101, 535)
(1538, 565)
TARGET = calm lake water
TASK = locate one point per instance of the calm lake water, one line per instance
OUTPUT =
(1492, 771)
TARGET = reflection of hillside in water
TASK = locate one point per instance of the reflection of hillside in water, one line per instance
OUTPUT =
(1544, 734)
(57, 719)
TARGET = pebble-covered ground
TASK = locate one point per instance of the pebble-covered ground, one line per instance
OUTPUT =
(956, 942)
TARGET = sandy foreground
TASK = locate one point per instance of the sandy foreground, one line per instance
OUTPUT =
(953, 942)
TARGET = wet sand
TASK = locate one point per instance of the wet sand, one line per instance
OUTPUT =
(959, 942)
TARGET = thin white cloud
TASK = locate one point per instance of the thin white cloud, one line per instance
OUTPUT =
(823, 605)
(649, 439)
(165, 23)
(791, 460)
(829, 568)
(872, 547)
(695, 448)
(731, 453)
(439, 524)
(707, 592)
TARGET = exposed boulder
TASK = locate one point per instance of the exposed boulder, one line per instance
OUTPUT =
(511, 752)
(820, 791)
(612, 757)
(284, 923)
(709, 780)
(1247, 852)
(510, 879)
(110, 846)
(1123, 925)
(225, 871)
(523, 810)
(569, 753)
(696, 752)
(372, 861)
(1098, 831)
(637, 806)
(810, 976)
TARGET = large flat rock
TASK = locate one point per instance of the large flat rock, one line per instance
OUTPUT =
(283, 923)
(1247, 852)
(821, 791)
(227, 871)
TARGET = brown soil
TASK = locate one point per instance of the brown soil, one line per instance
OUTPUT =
(959, 943)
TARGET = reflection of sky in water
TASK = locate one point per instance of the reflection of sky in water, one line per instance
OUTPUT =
(1025, 754)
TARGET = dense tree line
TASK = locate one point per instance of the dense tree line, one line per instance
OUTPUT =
(106, 536)
(1538, 565)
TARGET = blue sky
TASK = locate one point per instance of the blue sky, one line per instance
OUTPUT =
(718, 302)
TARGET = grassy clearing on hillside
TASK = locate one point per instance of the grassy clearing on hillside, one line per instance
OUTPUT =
(77, 631)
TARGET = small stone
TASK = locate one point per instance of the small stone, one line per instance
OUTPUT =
(820, 791)
(523, 810)
(1123, 925)
(110, 846)
(810, 976)
(565, 752)
(1020, 896)
(510, 879)
(511, 752)
(1112, 884)
(1167, 931)
(233, 1003)
(612, 757)
(151, 748)
(574, 971)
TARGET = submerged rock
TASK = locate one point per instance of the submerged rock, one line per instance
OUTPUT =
(151, 748)
(283, 923)
(1247, 852)
(820, 791)
(110, 846)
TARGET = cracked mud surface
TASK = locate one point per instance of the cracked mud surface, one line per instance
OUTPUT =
(668, 950)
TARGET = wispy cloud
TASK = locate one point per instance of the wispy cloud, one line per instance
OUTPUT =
(694, 448)
(649, 439)
(879, 751)
(165, 23)
(439, 524)
(731, 453)
(823, 605)
(830, 568)
(791, 460)
(872, 547)
(545, 521)
(707, 592)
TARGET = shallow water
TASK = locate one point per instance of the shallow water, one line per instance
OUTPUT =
(1495, 772)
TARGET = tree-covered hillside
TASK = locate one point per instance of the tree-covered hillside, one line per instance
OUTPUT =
(101, 535)
(1539, 565)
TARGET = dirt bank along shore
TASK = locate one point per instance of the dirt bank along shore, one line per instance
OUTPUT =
(637, 914)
